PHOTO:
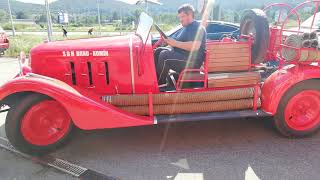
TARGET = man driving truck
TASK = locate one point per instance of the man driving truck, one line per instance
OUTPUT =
(186, 50)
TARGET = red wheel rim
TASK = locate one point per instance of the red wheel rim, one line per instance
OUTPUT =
(45, 123)
(303, 110)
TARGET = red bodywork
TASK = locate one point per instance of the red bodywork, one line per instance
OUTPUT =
(82, 71)
(115, 80)
(282, 80)
(86, 112)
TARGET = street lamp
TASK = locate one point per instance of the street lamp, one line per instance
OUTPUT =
(13, 29)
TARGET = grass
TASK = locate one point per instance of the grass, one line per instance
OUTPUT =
(26, 42)
(22, 43)
(78, 28)
(70, 28)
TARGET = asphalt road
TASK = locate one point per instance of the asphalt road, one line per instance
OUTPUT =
(224, 149)
(13, 167)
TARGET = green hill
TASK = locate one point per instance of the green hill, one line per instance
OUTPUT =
(18, 6)
(90, 7)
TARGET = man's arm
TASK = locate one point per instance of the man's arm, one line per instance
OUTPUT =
(193, 44)
(188, 46)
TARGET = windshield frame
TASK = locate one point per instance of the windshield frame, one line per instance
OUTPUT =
(142, 31)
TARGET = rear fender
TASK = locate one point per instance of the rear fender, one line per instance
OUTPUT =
(282, 80)
(86, 113)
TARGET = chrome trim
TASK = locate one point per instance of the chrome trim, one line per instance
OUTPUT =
(173, 81)
(131, 64)
(155, 120)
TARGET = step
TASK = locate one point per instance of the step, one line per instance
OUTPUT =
(210, 116)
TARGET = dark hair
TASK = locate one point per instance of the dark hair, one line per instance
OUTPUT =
(187, 9)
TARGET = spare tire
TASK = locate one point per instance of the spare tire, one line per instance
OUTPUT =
(255, 22)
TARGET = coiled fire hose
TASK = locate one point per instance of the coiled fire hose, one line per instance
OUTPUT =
(192, 102)
(295, 42)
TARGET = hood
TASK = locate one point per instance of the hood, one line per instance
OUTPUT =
(110, 43)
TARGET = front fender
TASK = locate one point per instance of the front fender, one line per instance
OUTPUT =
(281, 81)
(86, 113)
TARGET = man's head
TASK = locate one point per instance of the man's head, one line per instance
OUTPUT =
(186, 14)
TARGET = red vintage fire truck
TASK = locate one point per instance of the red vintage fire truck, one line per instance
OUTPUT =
(110, 82)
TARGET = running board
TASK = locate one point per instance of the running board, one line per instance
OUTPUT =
(210, 116)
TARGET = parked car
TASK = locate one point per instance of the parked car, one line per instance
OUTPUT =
(4, 42)
(215, 30)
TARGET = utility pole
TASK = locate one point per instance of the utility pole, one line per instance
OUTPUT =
(99, 17)
(49, 22)
(12, 26)
(219, 10)
(147, 6)
(121, 16)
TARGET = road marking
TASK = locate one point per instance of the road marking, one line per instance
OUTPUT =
(189, 176)
(59, 164)
(250, 174)
(183, 163)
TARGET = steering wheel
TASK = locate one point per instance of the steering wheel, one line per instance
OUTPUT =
(162, 34)
(162, 37)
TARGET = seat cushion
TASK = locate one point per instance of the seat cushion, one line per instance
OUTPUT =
(218, 80)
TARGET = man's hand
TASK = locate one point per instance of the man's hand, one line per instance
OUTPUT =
(188, 46)
(171, 42)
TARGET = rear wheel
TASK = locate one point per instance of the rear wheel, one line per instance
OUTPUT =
(38, 125)
(298, 113)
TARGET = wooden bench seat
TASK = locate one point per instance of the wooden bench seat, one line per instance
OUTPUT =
(229, 57)
(227, 64)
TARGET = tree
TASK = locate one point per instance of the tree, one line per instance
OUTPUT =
(236, 17)
(4, 16)
(40, 18)
(21, 15)
(128, 19)
(136, 15)
(115, 16)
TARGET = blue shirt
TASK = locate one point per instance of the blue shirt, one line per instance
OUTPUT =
(193, 32)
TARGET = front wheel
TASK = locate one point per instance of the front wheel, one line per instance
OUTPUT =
(298, 114)
(38, 125)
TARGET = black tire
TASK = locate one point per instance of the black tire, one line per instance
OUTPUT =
(279, 119)
(257, 19)
(13, 126)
